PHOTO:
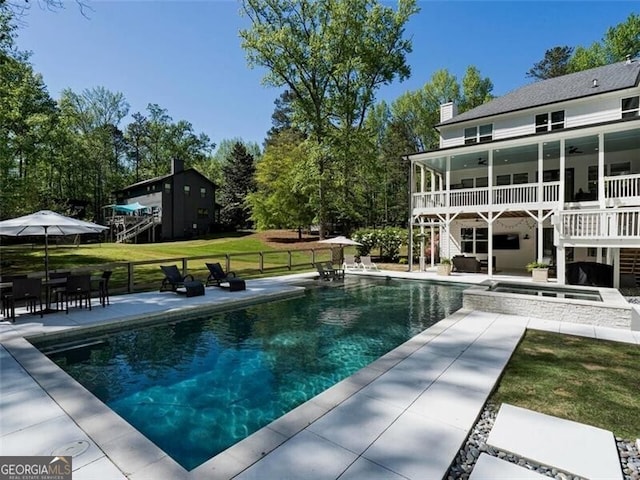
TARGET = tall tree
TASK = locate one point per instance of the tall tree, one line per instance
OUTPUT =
(475, 89)
(283, 198)
(238, 181)
(333, 55)
(554, 64)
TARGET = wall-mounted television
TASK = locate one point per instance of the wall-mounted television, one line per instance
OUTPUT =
(506, 241)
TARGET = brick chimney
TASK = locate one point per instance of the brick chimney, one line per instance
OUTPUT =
(177, 165)
(448, 111)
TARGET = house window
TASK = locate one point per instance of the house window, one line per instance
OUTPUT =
(503, 180)
(467, 182)
(484, 133)
(482, 182)
(167, 187)
(474, 240)
(616, 169)
(203, 212)
(519, 178)
(592, 179)
(187, 190)
(593, 252)
(550, 121)
(203, 192)
(630, 107)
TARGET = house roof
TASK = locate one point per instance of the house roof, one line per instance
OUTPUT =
(161, 178)
(616, 76)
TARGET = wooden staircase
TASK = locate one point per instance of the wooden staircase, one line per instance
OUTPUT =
(630, 262)
(134, 230)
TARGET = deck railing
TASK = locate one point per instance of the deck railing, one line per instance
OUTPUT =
(526, 193)
(622, 186)
(619, 223)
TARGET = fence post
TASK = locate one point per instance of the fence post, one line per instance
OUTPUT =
(184, 266)
(227, 262)
(261, 262)
(130, 277)
(289, 259)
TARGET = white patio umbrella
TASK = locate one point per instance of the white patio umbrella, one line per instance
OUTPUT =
(340, 240)
(46, 223)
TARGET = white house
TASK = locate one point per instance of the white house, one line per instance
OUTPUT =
(550, 171)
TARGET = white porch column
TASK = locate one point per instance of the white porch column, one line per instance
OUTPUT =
(601, 199)
(423, 179)
(616, 266)
(422, 259)
(490, 244)
(599, 255)
(562, 175)
(433, 181)
(490, 177)
(561, 264)
(540, 221)
(448, 185)
(433, 245)
(412, 188)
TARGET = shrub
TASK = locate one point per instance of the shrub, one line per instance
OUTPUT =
(533, 265)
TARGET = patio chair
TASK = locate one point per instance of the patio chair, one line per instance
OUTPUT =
(6, 290)
(28, 290)
(327, 272)
(367, 264)
(173, 279)
(219, 278)
(78, 289)
(350, 262)
(338, 273)
(104, 287)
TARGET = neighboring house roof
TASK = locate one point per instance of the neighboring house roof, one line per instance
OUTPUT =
(155, 180)
(616, 76)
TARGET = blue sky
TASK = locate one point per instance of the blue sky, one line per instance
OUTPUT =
(186, 55)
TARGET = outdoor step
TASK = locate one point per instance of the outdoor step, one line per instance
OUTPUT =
(572, 447)
(493, 468)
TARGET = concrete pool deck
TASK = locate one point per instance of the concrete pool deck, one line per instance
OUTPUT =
(404, 416)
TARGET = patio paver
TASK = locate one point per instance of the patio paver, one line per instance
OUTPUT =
(576, 448)
(492, 468)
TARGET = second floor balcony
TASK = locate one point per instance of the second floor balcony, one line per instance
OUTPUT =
(617, 191)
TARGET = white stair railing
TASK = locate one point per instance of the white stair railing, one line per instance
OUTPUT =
(134, 230)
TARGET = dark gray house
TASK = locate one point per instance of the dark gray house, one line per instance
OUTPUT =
(175, 206)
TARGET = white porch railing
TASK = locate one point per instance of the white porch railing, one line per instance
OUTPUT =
(526, 193)
(622, 186)
(619, 223)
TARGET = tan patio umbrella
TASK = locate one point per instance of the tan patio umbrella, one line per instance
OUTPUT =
(340, 240)
(46, 223)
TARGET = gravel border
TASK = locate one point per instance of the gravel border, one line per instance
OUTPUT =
(477, 443)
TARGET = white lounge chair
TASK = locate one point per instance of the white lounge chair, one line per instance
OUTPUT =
(350, 263)
(367, 264)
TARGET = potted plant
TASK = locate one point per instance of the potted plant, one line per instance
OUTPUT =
(539, 271)
(444, 267)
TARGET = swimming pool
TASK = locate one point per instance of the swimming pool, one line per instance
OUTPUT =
(197, 387)
(544, 291)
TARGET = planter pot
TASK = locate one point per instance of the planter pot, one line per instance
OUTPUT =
(444, 269)
(540, 274)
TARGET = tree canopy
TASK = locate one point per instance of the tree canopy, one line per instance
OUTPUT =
(332, 55)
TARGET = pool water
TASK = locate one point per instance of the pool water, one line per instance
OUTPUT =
(198, 386)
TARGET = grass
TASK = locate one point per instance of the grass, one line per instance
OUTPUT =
(30, 258)
(581, 379)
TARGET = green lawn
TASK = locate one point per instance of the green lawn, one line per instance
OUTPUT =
(590, 381)
(243, 251)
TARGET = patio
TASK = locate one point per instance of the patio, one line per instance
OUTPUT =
(436, 386)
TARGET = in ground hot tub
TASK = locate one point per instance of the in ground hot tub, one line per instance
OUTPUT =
(575, 304)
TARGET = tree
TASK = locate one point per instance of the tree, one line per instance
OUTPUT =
(238, 181)
(554, 64)
(283, 198)
(475, 89)
(623, 40)
(333, 55)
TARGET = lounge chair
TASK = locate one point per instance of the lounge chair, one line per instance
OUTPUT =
(173, 279)
(327, 272)
(219, 278)
(350, 262)
(367, 264)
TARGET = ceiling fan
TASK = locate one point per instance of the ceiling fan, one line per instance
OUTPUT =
(482, 161)
(574, 149)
